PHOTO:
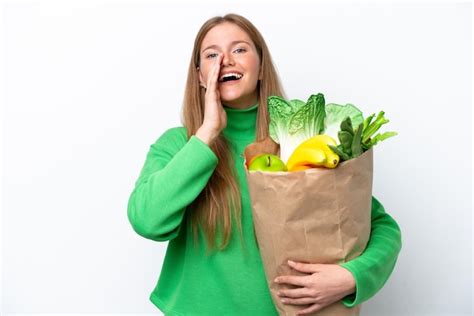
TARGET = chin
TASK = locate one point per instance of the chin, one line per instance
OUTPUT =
(230, 96)
(230, 99)
(235, 94)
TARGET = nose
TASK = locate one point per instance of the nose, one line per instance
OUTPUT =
(227, 60)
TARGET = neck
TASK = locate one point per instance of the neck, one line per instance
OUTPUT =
(241, 122)
(247, 101)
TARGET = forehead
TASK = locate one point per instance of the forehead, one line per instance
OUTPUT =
(223, 35)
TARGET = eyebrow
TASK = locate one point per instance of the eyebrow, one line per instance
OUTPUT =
(233, 43)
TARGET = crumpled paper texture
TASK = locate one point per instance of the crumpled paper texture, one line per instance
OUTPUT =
(317, 215)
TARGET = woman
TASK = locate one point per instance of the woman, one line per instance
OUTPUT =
(193, 193)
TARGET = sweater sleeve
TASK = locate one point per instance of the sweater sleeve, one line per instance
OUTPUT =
(176, 170)
(373, 267)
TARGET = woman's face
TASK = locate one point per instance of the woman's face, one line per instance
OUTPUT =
(239, 55)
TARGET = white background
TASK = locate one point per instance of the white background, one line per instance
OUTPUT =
(88, 86)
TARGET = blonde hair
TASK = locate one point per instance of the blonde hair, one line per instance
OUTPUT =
(211, 208)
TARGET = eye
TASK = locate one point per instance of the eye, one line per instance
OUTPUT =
(240, 49)
(212, 55)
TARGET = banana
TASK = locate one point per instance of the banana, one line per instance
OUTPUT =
(326, 139)
(300, 167)
(306, 156)
(314, 152)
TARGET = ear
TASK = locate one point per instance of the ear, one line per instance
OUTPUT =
(201, 79)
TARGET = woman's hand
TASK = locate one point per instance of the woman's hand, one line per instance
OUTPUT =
(325, 284)
(215, 118)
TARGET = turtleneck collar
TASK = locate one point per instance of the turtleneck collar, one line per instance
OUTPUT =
(241, 123)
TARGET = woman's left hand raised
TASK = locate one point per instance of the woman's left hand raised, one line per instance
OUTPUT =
(325, 284)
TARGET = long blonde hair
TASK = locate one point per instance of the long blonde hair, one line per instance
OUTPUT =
(211, 208)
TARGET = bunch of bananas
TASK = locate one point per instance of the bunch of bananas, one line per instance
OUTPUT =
(313, 153)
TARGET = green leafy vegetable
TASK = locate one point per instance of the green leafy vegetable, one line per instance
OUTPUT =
(345, 138)
(367, 121)
(294, 121)
(354, 143)
(340, 152)
(346, 125)
(336, 114)
(380, 137)
(375, 126)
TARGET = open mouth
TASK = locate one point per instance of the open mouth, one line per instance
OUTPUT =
(230, 77)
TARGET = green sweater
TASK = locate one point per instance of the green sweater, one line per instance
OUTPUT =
(230, 282)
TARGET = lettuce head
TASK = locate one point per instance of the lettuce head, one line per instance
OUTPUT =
(336, 113)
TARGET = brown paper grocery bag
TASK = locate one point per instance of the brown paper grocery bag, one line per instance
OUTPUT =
(317, 215)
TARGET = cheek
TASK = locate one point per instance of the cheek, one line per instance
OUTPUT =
(204, 72)
(253, 67)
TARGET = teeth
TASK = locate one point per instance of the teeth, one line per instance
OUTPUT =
(231, 74)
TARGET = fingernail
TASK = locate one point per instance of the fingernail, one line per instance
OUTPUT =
(277, 280)
(290, 262)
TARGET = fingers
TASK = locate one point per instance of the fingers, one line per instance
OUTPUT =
(304, 267)
(292, 279)
(298, 301)
(214, 74)
(294, 293)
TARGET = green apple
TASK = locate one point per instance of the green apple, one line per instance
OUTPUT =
(267, 162)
